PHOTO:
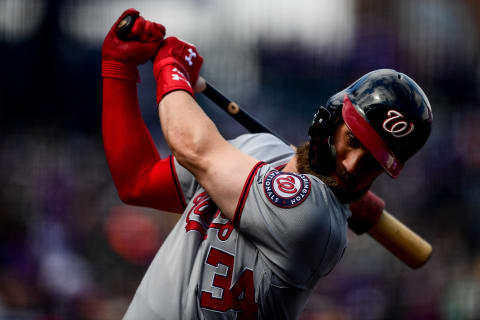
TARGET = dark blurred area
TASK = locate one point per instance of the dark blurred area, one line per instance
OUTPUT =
(69, 249)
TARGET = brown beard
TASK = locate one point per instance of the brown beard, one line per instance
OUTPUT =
(344, 194)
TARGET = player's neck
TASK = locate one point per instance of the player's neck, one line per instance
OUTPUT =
(291, 165)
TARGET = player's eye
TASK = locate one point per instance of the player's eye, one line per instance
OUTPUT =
(352, 142)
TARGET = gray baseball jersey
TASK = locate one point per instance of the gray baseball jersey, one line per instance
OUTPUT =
(288, 231)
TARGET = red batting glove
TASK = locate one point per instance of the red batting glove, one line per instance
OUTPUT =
(120, 58)
(176, 67)
(365, 212)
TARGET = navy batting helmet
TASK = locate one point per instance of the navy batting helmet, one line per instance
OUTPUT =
(387, 112)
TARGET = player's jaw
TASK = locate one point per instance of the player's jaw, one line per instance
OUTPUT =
(355, 168)
(345, 186)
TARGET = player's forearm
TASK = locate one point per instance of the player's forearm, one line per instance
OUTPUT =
(189, 132)
(191, 135)
(128, 145)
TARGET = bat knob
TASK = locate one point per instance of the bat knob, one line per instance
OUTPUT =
(124, 27)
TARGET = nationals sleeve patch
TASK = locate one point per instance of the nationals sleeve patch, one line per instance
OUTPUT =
(286, 190)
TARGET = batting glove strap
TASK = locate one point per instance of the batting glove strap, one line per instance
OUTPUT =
(118, 70)
(172, 77)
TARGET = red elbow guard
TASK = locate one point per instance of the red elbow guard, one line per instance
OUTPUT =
(157, 188)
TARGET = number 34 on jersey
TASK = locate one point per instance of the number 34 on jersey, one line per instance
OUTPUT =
(230, 295)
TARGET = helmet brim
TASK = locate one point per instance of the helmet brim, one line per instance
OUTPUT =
(370, 139)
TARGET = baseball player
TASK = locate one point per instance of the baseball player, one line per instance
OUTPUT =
(261, 223)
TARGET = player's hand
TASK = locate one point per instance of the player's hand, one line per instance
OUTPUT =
(121, 57)
(176, 67)
(365, 212)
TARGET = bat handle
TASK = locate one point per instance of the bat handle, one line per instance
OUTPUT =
(124, 27)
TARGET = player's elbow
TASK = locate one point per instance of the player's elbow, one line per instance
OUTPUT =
(126, 196)
(193, 150)
(190, 158)
(128, 193)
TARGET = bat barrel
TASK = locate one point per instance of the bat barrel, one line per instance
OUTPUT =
(401, 241)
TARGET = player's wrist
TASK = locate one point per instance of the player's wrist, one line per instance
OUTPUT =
(171, 77)
(119, 70)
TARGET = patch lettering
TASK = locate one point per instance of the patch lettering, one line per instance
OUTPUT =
(286, 190)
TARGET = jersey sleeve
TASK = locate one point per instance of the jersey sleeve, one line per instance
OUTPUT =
(295, 222)
(186, 181)
(262, 146)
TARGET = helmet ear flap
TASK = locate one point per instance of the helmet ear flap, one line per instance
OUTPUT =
(322, 153)
(320, 123)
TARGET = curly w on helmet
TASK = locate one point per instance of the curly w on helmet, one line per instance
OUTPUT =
(386, 111)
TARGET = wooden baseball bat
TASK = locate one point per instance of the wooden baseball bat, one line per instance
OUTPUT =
(400, 240)
(395, 236)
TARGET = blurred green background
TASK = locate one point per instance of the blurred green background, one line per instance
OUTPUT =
(69, 249)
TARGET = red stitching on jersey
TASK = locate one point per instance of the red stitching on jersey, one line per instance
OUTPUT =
(280, 167)
(243, 195)
(201, 214)
(224, 230)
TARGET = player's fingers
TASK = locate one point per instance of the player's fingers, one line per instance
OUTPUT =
(129, 12)
(200, 85)
(156, 31)
(138, 28)
(153, 32)
(167, 45)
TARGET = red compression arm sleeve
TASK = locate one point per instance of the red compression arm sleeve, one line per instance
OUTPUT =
(141, 177)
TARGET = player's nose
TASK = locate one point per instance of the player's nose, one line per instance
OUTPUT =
(353, 161)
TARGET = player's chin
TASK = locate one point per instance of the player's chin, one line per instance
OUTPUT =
(347, 193)
(345, 190)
